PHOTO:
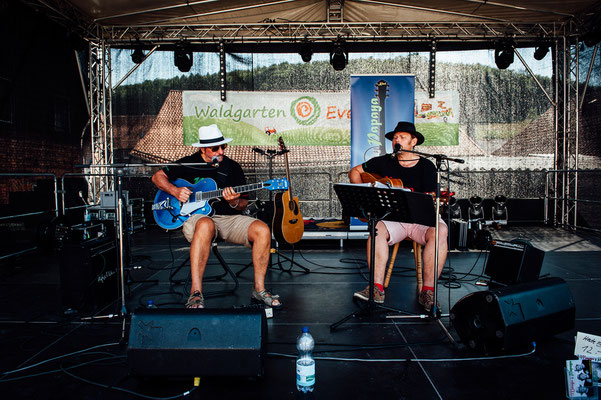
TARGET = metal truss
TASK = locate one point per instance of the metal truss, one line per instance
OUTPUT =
(566, 126)
(101, 123)
(272, 32)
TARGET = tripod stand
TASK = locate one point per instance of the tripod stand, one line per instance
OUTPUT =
(378, 203)
(271, 154)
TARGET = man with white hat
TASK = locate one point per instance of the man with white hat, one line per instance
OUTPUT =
(227, 222)
(417, 174)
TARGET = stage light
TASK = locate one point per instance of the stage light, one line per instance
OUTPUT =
(338, 58)
(504, 55)
(541, 51)
(182, 57)
(305, 51)
(475, 209)
(454, 208)
(499, 210)
(137, 56)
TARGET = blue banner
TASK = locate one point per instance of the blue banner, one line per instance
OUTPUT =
(378, 102)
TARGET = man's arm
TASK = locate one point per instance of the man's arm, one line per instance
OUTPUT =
(161, 180)
(354, 174)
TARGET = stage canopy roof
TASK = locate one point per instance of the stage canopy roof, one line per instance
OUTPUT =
(273, 25)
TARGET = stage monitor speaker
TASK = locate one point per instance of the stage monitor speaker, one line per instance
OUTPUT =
(88, 274)
(513, 262)
(499, 319)
(197, 342)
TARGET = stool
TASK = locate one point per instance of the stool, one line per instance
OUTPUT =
(417, 255)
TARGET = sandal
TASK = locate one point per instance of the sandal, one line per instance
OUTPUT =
(195, 300)
(264, 297)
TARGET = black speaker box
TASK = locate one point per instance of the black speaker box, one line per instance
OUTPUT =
(197, 342)
(513, 262)
(89, 274)
(499, 319)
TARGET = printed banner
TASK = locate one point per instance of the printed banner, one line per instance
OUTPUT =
(378, 103)
(438, 118)
(259, 118)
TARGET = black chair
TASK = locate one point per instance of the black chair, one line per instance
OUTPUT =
(226, 271)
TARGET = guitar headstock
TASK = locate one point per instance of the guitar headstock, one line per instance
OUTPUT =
(277, 184)
(281, 143)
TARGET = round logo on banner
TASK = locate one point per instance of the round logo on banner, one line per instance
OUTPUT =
(305, 110)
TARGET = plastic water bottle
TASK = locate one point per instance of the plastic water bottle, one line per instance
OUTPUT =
(150, 304)
(305, 364)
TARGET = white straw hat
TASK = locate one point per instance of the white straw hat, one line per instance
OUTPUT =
(209, 136)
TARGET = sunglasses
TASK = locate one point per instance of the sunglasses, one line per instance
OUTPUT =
(216, 148)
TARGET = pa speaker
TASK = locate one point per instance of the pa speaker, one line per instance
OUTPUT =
(513, 262)
(197, 342)
(496, 320)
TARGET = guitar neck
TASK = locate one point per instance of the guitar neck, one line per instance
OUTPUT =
(288, 175)
(214, 194)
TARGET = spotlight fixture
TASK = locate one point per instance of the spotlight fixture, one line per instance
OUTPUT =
(499, 210)
(504, 55)
(454, 208)
(541, 51)
(182, 57)
(137, 56)
(475, 209)
(305, 51)
(338, 58)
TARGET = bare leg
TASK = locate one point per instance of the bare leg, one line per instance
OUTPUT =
(200, 247)
(430, 250)
(259, 236)
(381, 256)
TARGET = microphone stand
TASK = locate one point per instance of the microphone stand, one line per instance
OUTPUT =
(434, 311)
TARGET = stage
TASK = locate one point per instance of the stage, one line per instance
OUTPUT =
(364, 357)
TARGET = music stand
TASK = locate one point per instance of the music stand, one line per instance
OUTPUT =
(375, 204)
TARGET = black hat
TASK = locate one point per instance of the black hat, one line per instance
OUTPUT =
(406, 127)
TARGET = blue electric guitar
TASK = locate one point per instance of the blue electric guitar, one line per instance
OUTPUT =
(170, 213)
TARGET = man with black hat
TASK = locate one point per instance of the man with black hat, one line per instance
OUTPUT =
(419, 175)
(227, 221)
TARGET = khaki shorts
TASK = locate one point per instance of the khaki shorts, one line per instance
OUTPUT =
(231, 228)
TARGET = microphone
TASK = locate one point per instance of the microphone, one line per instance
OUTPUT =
(258, 150)
(215, 161)
(397, 149)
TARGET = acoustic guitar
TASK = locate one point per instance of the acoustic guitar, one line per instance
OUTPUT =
(287, 225)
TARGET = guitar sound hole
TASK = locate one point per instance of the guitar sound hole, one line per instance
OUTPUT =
(293, 221)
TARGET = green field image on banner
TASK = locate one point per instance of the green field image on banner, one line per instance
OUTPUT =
(245, 134)
(439, 133)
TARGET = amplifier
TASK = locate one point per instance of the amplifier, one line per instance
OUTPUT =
(513, 262)
(89, 274)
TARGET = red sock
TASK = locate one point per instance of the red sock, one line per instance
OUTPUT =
(379, 286)
(424, 288)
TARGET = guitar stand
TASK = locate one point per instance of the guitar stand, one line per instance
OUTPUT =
(271, 154)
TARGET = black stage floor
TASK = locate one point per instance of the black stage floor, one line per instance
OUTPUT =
(366, 357)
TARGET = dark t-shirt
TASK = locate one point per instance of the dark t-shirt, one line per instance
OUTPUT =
(420, 178)
(229, 173)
